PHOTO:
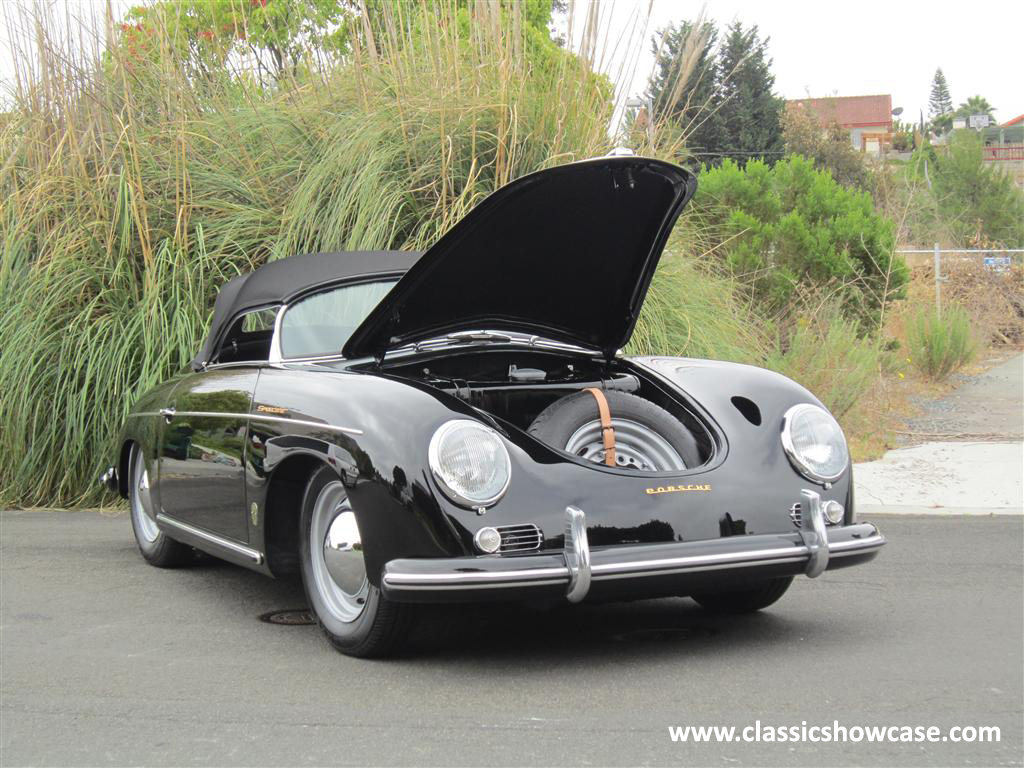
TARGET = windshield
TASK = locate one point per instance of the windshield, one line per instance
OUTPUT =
(321, 324)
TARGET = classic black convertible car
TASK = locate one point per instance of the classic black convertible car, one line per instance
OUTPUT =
(461, 425)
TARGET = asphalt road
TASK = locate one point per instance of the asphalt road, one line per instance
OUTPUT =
(108, 661)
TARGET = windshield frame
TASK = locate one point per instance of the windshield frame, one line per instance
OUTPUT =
(277, 357)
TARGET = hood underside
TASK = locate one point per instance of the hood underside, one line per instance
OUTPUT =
(566, 253)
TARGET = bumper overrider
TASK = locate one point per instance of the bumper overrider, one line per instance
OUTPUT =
(577, 572)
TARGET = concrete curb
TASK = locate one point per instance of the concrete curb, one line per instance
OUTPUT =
(949, 478)
(867, 511)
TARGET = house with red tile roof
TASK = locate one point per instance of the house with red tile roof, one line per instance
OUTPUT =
(867, 118)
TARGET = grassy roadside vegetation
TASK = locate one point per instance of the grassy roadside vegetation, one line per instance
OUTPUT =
(138, 177)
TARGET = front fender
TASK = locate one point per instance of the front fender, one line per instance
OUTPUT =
(721, 389)
(375, 436)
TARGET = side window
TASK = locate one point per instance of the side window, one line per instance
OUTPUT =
(321, 324)
(260, 320)
(248, 338)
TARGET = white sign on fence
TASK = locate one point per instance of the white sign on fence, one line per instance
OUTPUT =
(978, 121)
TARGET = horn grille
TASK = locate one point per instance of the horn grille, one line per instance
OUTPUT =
(796, 515)
(519, 538)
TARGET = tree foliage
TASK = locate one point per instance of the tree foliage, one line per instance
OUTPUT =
(975, 105)
(794, 232)
(750, 112)
(719, 93)
(940, 103)
(974, 203)
(830, 148)
(685, 85)
(276, 35)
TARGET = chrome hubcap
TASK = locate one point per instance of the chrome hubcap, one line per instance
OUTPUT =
(336, 549)
(142, 501)
(636, 447)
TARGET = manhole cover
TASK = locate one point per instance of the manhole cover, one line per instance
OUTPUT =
(295, 617)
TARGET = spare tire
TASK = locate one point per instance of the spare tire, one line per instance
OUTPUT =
(647, 437)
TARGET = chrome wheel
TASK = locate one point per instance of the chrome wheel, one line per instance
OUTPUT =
(142, 501)
(636, 447)
(336, 552)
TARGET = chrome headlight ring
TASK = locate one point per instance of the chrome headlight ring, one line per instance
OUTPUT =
(470, 463)
(809, 429)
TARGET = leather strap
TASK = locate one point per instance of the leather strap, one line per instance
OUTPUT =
(607, 430)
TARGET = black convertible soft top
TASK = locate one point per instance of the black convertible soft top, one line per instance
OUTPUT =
(278, 282)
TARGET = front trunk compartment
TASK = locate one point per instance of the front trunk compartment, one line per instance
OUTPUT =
(514, 386)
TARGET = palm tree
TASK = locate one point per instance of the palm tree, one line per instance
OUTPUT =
(976, 105)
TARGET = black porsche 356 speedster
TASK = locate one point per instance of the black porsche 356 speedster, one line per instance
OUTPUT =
(461, 425)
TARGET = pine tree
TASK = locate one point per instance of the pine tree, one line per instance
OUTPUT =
(722, 99)
(940, 103)
(749, 111)
(684, 86)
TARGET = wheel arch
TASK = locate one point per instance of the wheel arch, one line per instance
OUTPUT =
(282, 505)
(124, 466)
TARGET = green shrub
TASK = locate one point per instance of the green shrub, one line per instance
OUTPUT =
(826, 355)
(791, 229)
(939, 344)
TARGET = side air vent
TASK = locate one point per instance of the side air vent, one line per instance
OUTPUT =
(796, 515)
(748, 408)
(519, 538)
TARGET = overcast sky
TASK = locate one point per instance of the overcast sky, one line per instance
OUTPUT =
(823, 48)
(828, 48)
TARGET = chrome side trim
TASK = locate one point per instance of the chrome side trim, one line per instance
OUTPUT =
(254, 417)
(261, 417)
(212, 538)
(304, 422)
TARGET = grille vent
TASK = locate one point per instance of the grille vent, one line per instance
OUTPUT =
(519, 538)
(796, 515)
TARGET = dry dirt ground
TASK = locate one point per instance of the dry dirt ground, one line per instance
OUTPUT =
(964, 455)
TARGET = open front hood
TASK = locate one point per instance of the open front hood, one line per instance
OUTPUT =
(566, 253)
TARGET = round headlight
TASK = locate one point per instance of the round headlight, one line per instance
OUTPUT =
(470, 463)
(814, 442)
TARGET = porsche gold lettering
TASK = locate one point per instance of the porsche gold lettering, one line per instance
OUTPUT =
(676, 489)
(270, 409)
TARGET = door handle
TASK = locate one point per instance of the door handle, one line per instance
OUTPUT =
(168, 413)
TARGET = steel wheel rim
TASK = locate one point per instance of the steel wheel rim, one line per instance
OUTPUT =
(142, 501)
(637, 447)
(343, 605)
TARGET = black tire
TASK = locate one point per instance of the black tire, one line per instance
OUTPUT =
(560, 420)
(745, 600)
(383, 626)
(155, 546)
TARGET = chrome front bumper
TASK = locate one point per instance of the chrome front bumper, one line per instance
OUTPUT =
(576, 571)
